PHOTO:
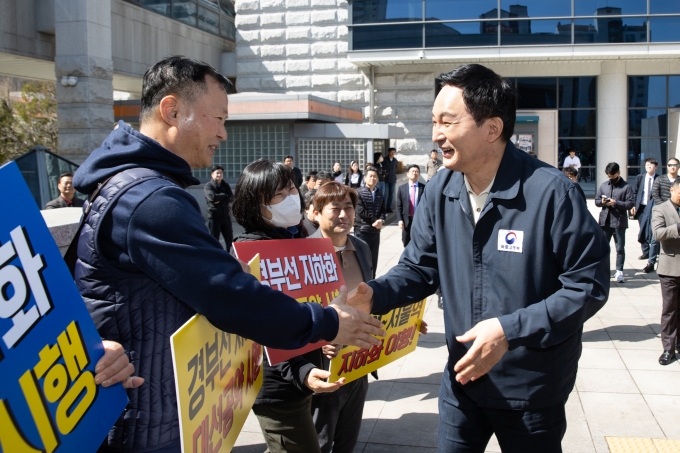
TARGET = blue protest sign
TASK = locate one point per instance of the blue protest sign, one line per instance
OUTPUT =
(48, 344)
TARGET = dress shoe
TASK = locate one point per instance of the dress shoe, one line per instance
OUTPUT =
(667, 357)
(648, 268)
(440, 302)
(643, 257)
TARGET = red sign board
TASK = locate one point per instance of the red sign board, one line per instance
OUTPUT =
(305, 269)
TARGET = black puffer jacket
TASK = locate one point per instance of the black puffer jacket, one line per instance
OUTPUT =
(368, 210)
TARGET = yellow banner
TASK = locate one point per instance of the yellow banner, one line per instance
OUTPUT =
(218, 375)
(402, 326)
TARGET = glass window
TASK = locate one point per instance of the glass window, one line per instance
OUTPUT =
(535, 8)
(227, 7)
(184, 11)
(227, 29)
(537, 93)
(608, 8)
(577, 92)
(209, 21)
(368, 11)
(640, 149)
(610, 30)
(159, 6)
(460, 9)
(577, 123)
(535, 32)
(647, 123)
(664, 6)
(461, 34)
(664, 29)
(647, 91)
(212, 4)
(387, 37)
(674, 91)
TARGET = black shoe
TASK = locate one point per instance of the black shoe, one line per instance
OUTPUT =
(667, 357)
(643, 257)
(440, 302)
(648, 268)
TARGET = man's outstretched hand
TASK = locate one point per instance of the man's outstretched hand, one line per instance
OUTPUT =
(488, 348)
(361, 298)
(355, 328)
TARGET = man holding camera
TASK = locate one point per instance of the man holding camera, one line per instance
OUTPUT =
(615, 197)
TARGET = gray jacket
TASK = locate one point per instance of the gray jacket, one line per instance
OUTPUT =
(665, 220)
(363, 253)
(625, 200)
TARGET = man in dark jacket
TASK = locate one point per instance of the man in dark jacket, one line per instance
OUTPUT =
(522, 265)
(66, 198)
(390, 179)
(147, 263)
(615, 197)
(642, 211)
(661, 190)
(288, 162)
(370, 214)
(218, 195)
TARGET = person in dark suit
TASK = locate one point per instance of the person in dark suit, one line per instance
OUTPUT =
(66, 198)
(644, 202)
(288, 162)
(408, 196)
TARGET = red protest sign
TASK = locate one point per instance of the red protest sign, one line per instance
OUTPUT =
(305, 269)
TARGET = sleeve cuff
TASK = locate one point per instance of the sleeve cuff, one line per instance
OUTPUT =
(511, 329)
(328, 320)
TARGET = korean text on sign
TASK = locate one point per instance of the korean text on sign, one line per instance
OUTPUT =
(48, 343)
(217, 376)
(305, 269)
(402, 326)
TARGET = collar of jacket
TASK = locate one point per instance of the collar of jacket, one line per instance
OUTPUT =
(506, 184)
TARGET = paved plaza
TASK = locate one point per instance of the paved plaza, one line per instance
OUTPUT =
(621, 390)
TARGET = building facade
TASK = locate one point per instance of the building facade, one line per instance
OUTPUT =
(601, 76)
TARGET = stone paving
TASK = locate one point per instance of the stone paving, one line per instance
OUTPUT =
(621, 390)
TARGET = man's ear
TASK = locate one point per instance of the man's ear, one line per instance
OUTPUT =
(169, 109)
(316, 214)
(495, 128)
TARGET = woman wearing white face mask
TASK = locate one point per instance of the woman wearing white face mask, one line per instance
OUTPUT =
(267, 205)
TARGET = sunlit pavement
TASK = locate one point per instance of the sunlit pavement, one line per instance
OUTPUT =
(621, 390)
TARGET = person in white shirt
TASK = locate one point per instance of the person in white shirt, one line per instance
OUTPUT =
(572, 161)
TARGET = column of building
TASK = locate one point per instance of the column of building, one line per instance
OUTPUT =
(83, 62)
(612, 118)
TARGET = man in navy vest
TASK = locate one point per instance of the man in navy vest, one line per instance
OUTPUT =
(147, 263)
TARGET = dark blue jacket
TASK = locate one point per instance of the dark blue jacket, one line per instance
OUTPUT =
(541, 296)
(147, 263)
(617, 215)
(639, 192)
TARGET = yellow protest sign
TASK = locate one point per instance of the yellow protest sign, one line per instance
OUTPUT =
(217, 377)
(402, 326)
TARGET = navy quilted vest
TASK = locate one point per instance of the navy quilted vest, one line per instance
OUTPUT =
(134, 310)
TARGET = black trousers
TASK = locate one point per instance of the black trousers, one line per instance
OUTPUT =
(373, 241)
(337, 416)
(670, 294)
(406, 232)
(465, 427)
(220, 222)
